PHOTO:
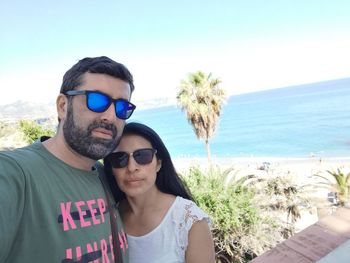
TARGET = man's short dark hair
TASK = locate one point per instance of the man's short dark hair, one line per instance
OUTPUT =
(102, 65)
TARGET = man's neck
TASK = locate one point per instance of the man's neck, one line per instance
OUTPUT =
(59, 148)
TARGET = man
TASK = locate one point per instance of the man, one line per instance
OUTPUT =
(53, 205)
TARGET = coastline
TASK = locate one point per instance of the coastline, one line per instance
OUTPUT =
(301, 171)
(326, 163)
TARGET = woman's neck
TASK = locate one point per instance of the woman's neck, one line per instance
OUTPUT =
(153, 201)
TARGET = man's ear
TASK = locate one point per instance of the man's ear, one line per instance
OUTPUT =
(61, 105)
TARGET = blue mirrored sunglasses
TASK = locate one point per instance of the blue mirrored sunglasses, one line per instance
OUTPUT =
(99, 102)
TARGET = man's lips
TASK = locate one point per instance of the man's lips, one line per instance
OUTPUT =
(103, 133)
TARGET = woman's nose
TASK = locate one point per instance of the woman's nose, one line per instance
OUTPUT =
(132, 165)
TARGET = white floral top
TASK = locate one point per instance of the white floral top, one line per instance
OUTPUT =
(168, 241)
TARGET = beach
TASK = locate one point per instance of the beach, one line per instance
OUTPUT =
(302, 172)
(301, 167)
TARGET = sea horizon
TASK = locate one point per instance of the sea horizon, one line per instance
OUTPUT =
(303, 121)
(297, 121)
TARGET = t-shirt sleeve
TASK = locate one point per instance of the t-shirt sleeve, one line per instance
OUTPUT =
(12, 187)
(188, 214)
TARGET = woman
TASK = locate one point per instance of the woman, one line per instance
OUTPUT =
(162, 222)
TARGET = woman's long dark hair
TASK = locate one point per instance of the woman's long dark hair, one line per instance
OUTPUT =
(168, 181)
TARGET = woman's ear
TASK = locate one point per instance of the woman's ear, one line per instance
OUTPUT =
(159, 165)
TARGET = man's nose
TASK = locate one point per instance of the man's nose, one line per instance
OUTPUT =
(109, 114)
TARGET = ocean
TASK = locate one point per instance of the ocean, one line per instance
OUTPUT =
(299, 121)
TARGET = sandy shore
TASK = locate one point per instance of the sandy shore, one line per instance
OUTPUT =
(301, 170)
(301, 166)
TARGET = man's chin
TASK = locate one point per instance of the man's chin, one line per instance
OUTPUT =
(99, 151)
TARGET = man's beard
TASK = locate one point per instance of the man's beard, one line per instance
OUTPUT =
(80, 139)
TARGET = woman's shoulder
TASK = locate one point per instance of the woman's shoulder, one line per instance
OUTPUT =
(188, 212)
(184, 215)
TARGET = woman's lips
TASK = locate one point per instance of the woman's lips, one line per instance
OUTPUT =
(133, 181)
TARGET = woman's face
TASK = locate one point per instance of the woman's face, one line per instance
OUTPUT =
(136, 179)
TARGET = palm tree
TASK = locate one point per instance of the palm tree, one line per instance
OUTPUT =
(341, 185)
(201, 97)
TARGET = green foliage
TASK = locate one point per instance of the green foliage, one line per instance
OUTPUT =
(240, 230)
(285, 196)
(32, 131)
(342, 181)
(340, 184)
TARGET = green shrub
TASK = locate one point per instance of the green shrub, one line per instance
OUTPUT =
(342, 185)
(32, 131)
(339, 182)
(240, 230)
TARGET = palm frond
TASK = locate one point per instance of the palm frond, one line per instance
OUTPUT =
(201, 98)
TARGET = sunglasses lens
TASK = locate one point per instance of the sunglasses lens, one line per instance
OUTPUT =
(143, 156)
(121, 159)
(97, 102)
(118, 159)
(123, 109)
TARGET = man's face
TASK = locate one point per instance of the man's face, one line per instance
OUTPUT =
(91, 134)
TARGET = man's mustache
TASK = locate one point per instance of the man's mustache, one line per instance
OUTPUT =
(108, 126)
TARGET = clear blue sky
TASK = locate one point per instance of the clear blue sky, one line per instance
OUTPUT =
(249, 45)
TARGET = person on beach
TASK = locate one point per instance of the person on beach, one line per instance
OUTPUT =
(162, 222)
(53, 205)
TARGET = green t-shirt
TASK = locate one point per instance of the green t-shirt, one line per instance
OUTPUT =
(52, 212)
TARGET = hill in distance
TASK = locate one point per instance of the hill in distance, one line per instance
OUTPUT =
(27, 110)
(32, 110)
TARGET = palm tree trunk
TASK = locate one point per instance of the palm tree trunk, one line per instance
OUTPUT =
(207, 146)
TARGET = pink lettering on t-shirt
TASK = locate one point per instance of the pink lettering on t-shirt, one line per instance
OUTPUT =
(125, 240)
(93, 211)
(82, 209)
(69, 253)
(82, 213)
(111, 246)
(102, 206)
(104, 251)
(121, 242)
(78, 253)
(90, 250)
(66, 216)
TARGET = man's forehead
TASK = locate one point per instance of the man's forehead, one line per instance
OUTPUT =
(110, 85)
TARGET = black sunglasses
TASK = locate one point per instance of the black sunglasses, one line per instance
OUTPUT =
(97, 101)
(121, 159)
